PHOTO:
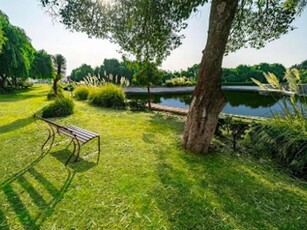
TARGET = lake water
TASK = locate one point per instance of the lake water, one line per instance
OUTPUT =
(240, 103)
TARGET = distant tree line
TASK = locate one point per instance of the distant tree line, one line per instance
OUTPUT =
(112, 67)
(302, 67)
(19, 60)
(242, 74)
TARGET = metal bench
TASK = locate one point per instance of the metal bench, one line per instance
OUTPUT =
(78, 137)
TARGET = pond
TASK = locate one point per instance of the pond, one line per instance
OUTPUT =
(239, 103)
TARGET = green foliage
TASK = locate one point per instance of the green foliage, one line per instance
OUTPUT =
(59, 63)
(284, 137)
(180, 81)
(284, 142)
(59, 108)
(2, 38)
(137, 105)
(17, 53)
(147, 73)
(238, 129)
(244, 73)
(111, 71)
(42, 67)
(108, 95)
(81, 72)
(241, 75)
(136, 25)
(81, 92)
(235, 127)
(60, 94)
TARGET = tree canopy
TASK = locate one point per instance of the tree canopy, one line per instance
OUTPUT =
(42, 67)
(17, 52)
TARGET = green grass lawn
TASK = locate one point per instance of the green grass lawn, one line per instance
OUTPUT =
(144, 179)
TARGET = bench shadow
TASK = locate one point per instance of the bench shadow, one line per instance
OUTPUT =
(17, 124)
(82, 165)
(31, 183)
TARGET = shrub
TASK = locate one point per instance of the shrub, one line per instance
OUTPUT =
(108, 95)
(59, 108)
(51, 95)
(282, 142)
(179, 81)
(81, 92)
(69, 87)
(137, 105)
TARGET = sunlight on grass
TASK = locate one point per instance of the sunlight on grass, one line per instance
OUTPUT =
(144, 179)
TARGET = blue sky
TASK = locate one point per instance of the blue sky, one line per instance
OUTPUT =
(51, 36)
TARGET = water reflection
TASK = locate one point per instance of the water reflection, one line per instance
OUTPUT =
(240, 103)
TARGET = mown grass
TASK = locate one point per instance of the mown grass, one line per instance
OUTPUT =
(144, 179)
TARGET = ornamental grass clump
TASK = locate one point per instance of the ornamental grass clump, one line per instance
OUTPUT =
(284, 137)
(108, 95)
(59, 108)
(81, 92)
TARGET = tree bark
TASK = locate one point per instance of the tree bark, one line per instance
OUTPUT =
(208, 98)
(55, 87)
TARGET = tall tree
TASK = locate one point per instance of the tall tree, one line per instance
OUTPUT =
(17, 53)
(42, 67)
(147, 74)
(2, 38)
(232, 25)
(59, 63)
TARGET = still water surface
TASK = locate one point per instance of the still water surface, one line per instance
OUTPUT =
(240, 103)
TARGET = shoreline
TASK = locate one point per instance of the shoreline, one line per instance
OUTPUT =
(136, 90)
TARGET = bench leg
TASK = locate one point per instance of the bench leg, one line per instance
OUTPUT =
(50, 136)
(69, 143)
(73, 152)
(78, 152)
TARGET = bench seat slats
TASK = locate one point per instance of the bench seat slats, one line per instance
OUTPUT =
(70, 134)
(82, 131)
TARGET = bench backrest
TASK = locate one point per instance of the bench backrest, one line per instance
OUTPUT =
(49, 122)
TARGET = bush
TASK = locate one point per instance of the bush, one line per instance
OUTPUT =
(282, 142)
(25, 84)
(69, 87)
(108, 95)
(179, 81)
(137, 105)
(51, 95)
(81, 92)
(59, 108)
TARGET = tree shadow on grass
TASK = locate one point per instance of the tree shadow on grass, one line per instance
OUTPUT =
(29, 187)
(18, 95)
(17, 124)
(184, 204)
(162, 122)
(255, 198)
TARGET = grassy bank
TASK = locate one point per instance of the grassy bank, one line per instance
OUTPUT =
(144, 179)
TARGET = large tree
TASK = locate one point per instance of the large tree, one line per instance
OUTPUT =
(17, 53)
(232, 25)
(42, 66)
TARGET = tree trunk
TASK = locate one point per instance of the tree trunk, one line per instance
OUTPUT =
(55, 87)
(149, 97)
(208, 98)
